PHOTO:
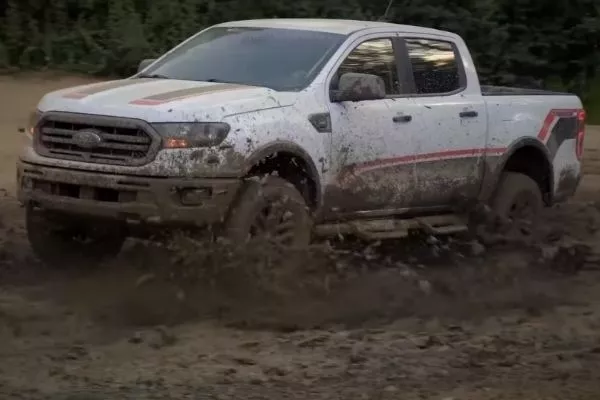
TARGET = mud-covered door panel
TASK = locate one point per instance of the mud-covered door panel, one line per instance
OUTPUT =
(450, 150)
(371, 147)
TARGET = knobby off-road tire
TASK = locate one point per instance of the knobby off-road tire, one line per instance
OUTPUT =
(60, 243)
(518, 204)
(273, 207)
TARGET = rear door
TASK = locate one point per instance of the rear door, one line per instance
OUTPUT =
(449, 150)
(371, 145)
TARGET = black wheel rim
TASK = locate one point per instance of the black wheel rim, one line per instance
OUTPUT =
(275, 223)
(522, 207)
(522, 213)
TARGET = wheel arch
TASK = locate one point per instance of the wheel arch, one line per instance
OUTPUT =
(528, 156)
(302, 164)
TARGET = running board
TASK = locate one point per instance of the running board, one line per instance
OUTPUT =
(375, 229)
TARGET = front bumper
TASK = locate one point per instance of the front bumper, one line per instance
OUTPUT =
(134, 199)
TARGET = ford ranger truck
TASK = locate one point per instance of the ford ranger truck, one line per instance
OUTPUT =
(292, 128)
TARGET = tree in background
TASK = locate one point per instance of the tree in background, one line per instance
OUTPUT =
(541, 43)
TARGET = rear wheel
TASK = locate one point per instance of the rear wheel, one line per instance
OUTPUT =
(62, 242)
(270, 208)
(517, 205)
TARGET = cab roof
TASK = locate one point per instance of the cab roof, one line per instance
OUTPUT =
(339, 26)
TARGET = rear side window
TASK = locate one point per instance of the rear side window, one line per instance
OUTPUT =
(376, 57)
(435, 66)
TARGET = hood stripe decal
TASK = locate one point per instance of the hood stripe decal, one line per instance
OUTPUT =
(175, 95)
(101, 87)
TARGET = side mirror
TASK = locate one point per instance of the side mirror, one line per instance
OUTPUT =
(359, 87)
(144, 63)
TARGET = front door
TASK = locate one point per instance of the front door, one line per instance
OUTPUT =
(371, 144)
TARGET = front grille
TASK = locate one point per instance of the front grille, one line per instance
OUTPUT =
(122, 142)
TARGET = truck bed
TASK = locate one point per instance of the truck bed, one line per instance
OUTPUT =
(487, 90)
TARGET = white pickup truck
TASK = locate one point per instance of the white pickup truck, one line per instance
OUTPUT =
(293, 127)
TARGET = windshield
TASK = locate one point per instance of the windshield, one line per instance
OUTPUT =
(280, 59)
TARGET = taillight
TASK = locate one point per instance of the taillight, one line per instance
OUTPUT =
(580, 134)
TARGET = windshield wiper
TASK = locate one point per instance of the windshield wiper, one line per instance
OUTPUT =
(215, 80)
(154, 76)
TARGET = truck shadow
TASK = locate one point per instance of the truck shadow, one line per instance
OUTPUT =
(347, 283)
(350, 288)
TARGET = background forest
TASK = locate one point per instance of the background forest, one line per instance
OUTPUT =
(533, 43)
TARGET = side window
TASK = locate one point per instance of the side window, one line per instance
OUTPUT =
(434, 65)
(374, 57)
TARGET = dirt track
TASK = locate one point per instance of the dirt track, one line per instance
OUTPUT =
(404, 322)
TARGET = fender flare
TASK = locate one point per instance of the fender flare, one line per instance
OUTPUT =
(278, 146)
(494, 173)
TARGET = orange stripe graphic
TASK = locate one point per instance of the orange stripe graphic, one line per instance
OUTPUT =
(101, 87)
(175, 95)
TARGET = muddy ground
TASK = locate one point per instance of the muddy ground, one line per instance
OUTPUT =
(419, 319)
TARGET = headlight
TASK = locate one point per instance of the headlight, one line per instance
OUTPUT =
(34, 118)
(192, 134)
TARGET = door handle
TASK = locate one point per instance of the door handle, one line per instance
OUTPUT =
(402, 118)
(468, 114)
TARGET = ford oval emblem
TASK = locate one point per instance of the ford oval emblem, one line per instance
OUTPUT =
(87, 138)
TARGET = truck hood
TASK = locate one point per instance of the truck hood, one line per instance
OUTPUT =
(165, 100)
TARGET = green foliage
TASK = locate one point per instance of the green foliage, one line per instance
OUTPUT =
(592, 102)
(544, 43)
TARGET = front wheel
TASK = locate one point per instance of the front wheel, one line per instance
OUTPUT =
(271, 208)
(62, 242)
